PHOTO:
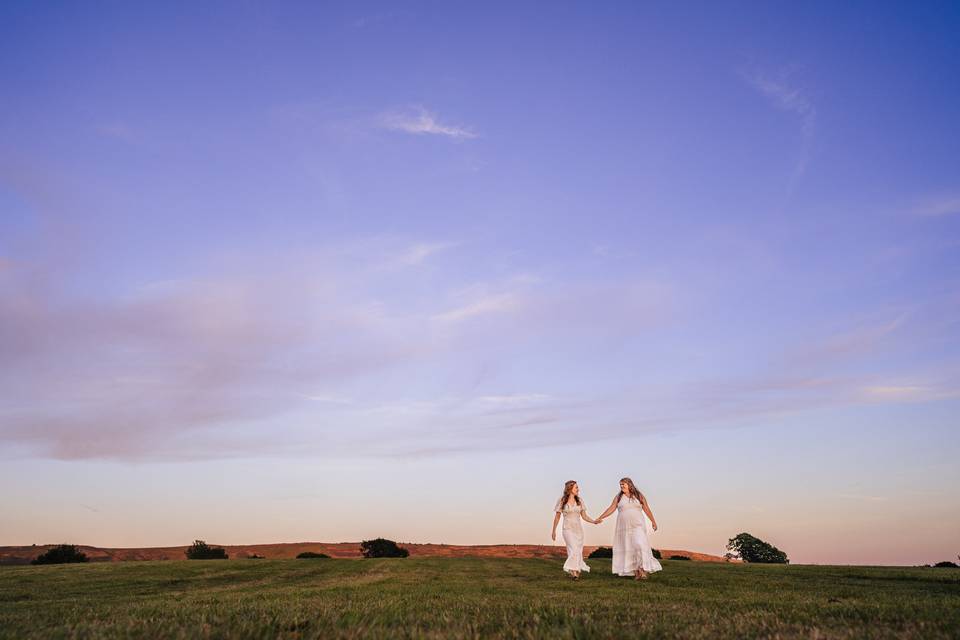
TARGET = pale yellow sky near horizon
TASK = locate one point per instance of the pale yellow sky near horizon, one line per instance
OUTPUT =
(460, 500)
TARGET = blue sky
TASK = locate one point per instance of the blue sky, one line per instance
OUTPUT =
(381, 269)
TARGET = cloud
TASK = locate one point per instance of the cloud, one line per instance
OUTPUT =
(418, 253)
(855, 496)
(119, 131)
(300, 354)
(151, 370)
(376, 18)
(935, 208)
(858, 341)
(328, 353)
(419, 121)
(907, 392)
(791, 99)
(484, 305)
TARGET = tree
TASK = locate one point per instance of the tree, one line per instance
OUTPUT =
(601, 552)
(946, 564)
(200, 550)
(61, 554)
(751, 549)
(312, 554)
(382, 548)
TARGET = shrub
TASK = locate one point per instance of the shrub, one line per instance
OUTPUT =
(601, 552)
(657, 554)
(61, 554)
(312, 554)
(946, 564)
(382, 548)
(679, 557)
(751, 549)
(254, 556)
(200, 550)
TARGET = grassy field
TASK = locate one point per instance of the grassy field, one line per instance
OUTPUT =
(472, 598)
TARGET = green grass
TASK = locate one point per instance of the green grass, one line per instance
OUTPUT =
(472, 598)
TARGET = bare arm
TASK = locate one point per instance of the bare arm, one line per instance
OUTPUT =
(583, 514)
(610, 509)
(646, 510)
(553, 530)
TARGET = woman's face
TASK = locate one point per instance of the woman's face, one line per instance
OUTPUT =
(575, 490)
(624, 487)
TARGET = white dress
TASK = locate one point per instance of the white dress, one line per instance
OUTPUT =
(631, 548)
(573, 535)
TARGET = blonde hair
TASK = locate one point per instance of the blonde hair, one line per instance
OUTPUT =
(567, 488)
(631, 489)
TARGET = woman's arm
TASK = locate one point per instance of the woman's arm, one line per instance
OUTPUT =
(583, 514)
(553, 530)
(610, 509)
(646, 510)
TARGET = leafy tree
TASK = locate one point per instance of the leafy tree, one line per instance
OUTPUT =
(382, 548)
(946, 564)
(61, 554)
(312, 554)
(200, 550)
(751, 549)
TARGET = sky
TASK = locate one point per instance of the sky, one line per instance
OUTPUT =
(277, 272)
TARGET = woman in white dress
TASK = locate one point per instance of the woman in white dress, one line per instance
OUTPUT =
(632, 553)
(572, 509)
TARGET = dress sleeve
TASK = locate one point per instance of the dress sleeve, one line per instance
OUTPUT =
(559, 507)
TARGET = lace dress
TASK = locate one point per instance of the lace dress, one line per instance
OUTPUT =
(573, 535)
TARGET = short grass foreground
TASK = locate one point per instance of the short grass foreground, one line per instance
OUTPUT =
(471, 598)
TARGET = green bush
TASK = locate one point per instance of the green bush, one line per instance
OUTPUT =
(382, 548)
(679, 557)
(312, 554)
(946, 564)
(62, 554)
(607, 552)
(200, 550)
(751, 549)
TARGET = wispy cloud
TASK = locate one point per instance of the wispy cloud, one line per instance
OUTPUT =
(858, 341)
(856, 496)
(781, 94)
(119, 131)
(908, 392)
(292, 355)
(420, 121)
(418, 253)
(939, 207)
(483, 305)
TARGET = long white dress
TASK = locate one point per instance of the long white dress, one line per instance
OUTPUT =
(573, 535)
(631, 548)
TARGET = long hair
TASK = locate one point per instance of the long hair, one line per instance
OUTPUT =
(567, 488)
(632, 488)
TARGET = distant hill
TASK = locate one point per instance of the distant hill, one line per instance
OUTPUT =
(23, 555)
